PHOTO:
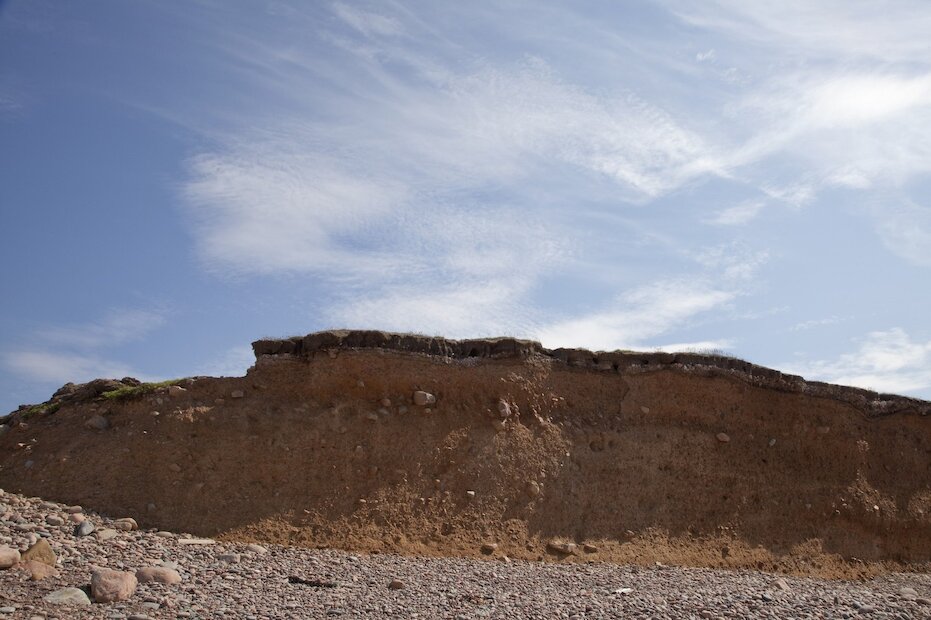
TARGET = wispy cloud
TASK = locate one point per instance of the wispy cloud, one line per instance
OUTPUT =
(428, 202)
(232, 362)
(77, 353)
(887, 361)
(857, 30)
(366, 22)
(637, 316)
(737, 215)
(813, 323)
(117, 327)
(61, 367)
(906, 231)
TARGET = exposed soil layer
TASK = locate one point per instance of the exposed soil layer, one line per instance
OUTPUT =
(689, 460)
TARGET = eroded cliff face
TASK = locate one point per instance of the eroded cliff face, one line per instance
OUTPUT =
(559, 455)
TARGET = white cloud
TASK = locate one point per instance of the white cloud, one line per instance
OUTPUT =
(366, 22)
(72, 353)
(117, 327)
(297, 196)
(705, 56)
(60, 367)
(737, 215)
(731, 262)
(887, 361)
(846, 29)
(701, 346)
(813, 323)
(639, 315)
(231, 363)
(906, 231)
(463, 310)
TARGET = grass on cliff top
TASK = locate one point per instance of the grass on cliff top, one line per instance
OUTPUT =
(136, 390)
(40, 409)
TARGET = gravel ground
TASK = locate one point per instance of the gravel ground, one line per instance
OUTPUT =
(220, 580)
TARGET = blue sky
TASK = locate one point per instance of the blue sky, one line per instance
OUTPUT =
(178, 179)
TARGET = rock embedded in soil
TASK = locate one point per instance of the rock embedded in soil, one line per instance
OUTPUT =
(422, 399)
(97, 422)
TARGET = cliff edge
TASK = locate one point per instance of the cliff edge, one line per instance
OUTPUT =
(372, 441)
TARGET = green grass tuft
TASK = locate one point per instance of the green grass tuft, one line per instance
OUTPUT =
(40, 409)
(131, 391)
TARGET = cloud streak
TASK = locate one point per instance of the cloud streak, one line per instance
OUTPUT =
(887, 361)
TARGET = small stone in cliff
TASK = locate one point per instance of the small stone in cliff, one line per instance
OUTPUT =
(176, 390)
(533, 488)
(236, 394)
(723, 437)
(68, 596)
(489, 548)
(504, 409)
(109, 586)
(395, 584)
(421, 398)
(8, 557)
(84, 528)
(41, 552)
(498, 424)
(563, 548)
(38, 570)
(589, 548)
(385, 402)
(175, 468)
(158, 574)
(98, 423)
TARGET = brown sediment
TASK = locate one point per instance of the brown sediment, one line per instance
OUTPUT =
(677, 458)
